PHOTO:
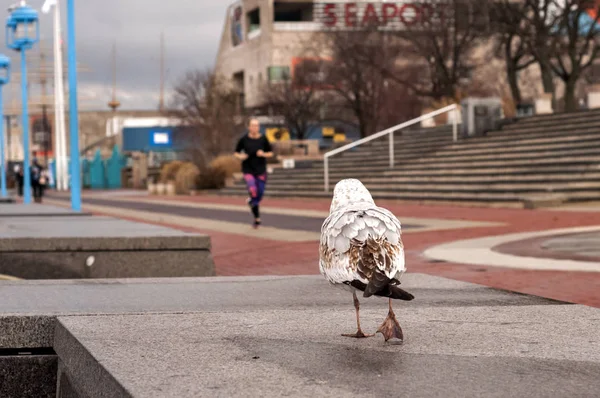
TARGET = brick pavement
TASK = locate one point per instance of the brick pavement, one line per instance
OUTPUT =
(244, 255)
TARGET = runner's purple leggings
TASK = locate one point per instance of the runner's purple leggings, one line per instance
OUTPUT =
(256, 187)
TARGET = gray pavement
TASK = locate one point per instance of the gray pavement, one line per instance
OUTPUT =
(276, 336)
(586, 244)
(293, 222)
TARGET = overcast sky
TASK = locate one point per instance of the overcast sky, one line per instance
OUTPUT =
(192, 30)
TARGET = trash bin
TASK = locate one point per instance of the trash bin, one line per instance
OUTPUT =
(480, 115)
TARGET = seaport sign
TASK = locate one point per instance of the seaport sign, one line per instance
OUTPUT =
(399, 15)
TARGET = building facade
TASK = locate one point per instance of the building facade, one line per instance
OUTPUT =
(265, 41)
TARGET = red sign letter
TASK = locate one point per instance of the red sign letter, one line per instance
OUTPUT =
(370, 15)
(387, 14)
(350, 15)
(410, 21)
(330, 17)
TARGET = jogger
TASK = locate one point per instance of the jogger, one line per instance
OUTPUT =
(253, 149)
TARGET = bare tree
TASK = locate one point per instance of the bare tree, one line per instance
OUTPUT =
(563, 37)
(209, 110)
(575, 44)
(299, 104)
(440, 45)
(509, 18)
(356, 74)
(536, 31)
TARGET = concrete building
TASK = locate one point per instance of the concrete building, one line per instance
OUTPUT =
(262, 41)
(265, 40)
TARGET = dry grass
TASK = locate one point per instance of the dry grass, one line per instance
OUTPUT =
(227, 163)
(185, 180)
(169, 171)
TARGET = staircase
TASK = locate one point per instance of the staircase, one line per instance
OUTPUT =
(538, 157)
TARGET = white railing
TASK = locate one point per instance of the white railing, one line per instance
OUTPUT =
(390, 132)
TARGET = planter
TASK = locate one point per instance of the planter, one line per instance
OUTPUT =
(238, 176)
(229, 181)
(170, 189)
(160, 188)
(152, 189)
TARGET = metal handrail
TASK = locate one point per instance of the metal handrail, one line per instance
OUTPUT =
(390, 132)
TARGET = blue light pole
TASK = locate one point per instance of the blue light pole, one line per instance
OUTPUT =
(4, 78)
(73, 111)
(22, 32)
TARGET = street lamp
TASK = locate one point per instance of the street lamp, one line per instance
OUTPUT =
(73, 109)
(4, 77)
(22, 32)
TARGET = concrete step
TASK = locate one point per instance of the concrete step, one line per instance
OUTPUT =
(525, 124)
(452, 179)
(566, 146)
(563, 115)
(556, 152)
(527, 169)
(502, 139)
(571, 142)
(568, 157)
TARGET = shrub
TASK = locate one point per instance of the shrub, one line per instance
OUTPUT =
(185, 180)
(211, 178)
(227, 163)
(169, 171)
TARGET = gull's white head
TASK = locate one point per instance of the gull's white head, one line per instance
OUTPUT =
(349, 191)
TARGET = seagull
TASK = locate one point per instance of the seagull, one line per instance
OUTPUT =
(361, 249)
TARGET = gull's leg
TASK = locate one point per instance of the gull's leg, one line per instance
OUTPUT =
(359, 333)
(390, 328)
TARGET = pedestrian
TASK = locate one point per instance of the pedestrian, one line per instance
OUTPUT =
(253, 149)
(19, 178)
(37, 180)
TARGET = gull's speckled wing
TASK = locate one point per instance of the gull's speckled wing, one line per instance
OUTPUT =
(360, 241)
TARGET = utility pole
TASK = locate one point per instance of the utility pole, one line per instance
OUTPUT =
(161, 102)
(114, 103)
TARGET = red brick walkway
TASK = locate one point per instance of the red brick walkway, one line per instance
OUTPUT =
(244, 255)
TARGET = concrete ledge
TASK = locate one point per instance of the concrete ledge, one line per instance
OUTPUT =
(274, 336)
(69, 244)
(37, 210)
(64, 247)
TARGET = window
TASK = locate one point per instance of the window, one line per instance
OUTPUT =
(310, 72)
(253, 18)
(278, 73)
(292, 12)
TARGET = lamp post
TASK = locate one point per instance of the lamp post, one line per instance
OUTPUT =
(4, 77)
(22, 32)
(73, 111)
(62, 172)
